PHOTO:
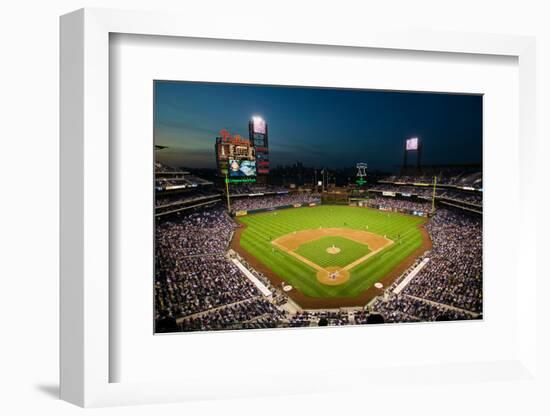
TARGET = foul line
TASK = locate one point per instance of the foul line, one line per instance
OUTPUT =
(365, 257)
(303, 259)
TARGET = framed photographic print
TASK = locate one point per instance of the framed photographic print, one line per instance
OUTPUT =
(238, 209)
(316, 217)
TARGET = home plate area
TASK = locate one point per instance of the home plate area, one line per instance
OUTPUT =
(333, 276)
(333, 252)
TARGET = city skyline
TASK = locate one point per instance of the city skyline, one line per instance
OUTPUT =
(320, 127)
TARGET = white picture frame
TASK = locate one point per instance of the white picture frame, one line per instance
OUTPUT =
(85, 213)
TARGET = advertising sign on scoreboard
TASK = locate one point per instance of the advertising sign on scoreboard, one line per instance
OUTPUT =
(239, 168)
(412, 143)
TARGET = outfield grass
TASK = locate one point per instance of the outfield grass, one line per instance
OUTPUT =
(316, 251)
(264, 227)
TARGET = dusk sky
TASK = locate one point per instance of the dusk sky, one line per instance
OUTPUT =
(317, 126)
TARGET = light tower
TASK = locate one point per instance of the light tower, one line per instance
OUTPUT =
(257, 130)
(411, 145)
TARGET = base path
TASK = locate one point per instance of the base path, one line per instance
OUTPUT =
(331, 276)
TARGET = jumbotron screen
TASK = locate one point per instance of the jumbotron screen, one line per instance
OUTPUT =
(258, 125)
(412, 144)
(242, 168)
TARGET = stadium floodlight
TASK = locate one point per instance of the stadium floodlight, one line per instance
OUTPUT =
(412, 143)
(258, 124)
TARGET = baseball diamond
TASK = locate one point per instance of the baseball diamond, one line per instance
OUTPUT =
(295, 246)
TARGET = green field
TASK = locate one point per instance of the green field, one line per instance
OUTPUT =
(316, 251)
(264, 227)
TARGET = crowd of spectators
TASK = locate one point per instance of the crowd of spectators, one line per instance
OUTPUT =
(456, 195)
(453, 276)
(318, 318)
(166, 177)
(277, 296)
(204, 232)
(163, 200)
(273, 201)
(470, 197)
(456, 178)
(252, 313)
(449, 286)
(408, 189)
(179, 181)
(402, 308)
(198, 285)
(194, 284)
(399, 204)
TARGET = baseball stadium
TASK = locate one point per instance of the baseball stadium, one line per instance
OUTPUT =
(244, 243)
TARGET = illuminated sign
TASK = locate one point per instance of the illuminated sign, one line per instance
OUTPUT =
(235, 139)
(244, 180)
(225, 135)
(412, 143)
(361, 173)
(242, 168)
(258, 125)
(388, 193)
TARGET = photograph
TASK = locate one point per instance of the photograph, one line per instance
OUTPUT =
(296, 207)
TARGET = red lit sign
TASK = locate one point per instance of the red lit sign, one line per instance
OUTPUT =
(236, 139)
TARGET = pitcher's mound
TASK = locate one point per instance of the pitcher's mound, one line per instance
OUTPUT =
(333, 250)
(332, 276)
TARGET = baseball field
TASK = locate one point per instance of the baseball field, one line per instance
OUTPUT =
(331, 255)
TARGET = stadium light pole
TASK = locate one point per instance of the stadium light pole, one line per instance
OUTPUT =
(433, 194)
(315, 180)
(227, 194)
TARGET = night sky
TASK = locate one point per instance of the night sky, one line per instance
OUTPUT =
(319, 127)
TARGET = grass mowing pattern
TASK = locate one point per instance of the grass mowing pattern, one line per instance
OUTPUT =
(264, 227)
(316, 251)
